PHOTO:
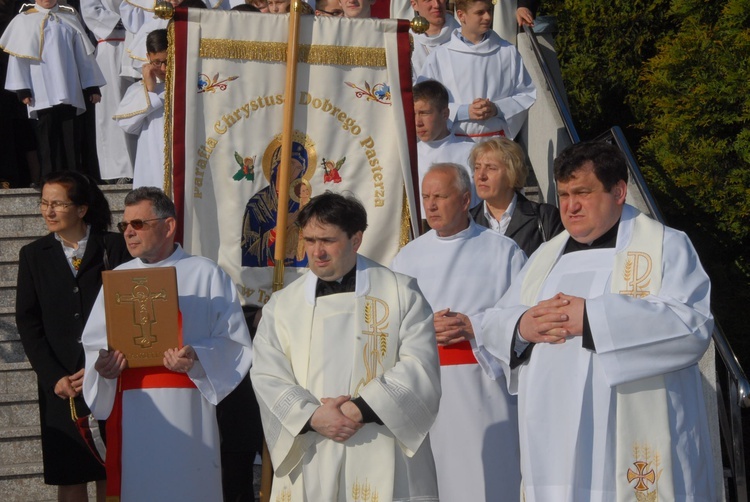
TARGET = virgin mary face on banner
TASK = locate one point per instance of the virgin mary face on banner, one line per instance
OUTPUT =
(259, 222)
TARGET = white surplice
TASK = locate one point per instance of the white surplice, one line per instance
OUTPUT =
(52, 56)
(376, 343)
(492, 69)
(141, 113)
(424, 44)
(475, 435)
(567, 394)
(114, 147)
(449, 149)
(170, 439)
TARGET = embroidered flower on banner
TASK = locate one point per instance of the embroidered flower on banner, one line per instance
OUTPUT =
(208, 84)
(380, 93)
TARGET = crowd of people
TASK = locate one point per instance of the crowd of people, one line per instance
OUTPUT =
(539, 354)
(83, 80)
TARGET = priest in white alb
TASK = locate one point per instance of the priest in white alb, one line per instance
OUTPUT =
(163, 419)
(463, 269)
(346, 371)
(600, 336)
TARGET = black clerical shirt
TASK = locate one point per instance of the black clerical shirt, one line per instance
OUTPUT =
(346, 284)
(605, 241)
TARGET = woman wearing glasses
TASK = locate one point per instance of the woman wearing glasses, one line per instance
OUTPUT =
(59, 277)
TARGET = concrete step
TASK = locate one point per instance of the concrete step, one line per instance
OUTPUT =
(8, 329)
(18, 398)
(8, 294)
(9, 248)
(21, 450)
(9, 271)
(11, 351)
(27, 488)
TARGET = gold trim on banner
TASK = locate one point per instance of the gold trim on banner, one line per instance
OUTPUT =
(406, 233)
(215, 48)
(168, 119)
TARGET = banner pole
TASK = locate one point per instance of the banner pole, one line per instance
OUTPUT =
(282, 184)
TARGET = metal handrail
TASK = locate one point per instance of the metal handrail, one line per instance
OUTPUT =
(725, 350)
(562, 108)
(739, 386)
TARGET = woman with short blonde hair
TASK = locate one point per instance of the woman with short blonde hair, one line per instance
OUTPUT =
(500, 172)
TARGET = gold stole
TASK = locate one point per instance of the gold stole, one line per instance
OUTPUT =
(368, 471)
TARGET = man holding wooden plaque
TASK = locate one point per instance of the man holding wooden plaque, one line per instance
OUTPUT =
(162, 436)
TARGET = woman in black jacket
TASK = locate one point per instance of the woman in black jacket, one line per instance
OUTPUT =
(500, 173)
(59, 277)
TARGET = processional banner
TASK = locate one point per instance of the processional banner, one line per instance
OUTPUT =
(353, 114)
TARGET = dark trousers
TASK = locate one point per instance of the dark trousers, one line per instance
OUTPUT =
(238, 417)
(59, 139)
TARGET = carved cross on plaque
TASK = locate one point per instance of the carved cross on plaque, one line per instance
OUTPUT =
(144, 315)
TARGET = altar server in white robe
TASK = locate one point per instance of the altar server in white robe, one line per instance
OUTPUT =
(114, 147)
(463, 269)
(490, 89)
(437, 144)
(438, 33)
(346, 371)
(141, 114)
(53, 72)
(169, 436)
(600, 335)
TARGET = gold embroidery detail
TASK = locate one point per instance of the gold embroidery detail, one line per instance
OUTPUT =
(376, 317)
(168, 89)
(285, 495)
(637, 274)
(646, 473)
(215, 48)
(406, 233)
(137, 112)
(363, 492)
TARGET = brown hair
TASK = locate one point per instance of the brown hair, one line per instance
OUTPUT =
(464, 5)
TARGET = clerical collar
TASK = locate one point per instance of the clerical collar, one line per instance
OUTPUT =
(608, 240)
(344, 285)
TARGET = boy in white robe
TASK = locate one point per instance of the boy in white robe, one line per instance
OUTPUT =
(141, 113)
(115, 148)
(437, 144)
(600, 335)
(167, 429)
(463, 269)
(438, 33)
(346, 371)
(490, 89)
(53, 71)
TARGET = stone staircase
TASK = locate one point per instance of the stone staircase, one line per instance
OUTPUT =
(20, 445)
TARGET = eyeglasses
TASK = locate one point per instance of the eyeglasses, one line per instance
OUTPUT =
(136, 224)
(157, 63)
(56, 205)
(334, 13)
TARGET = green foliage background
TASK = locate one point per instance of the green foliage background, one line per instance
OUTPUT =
(674, 74)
